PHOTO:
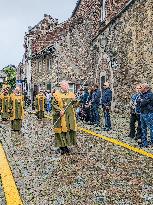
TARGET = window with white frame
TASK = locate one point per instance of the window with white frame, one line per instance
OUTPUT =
(49, 63)
(39, 65)
(102, 79)
(103, 10)
(71, 87)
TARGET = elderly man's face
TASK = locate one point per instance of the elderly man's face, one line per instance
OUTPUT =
(65, 86)
(17, 90)
(143, 88)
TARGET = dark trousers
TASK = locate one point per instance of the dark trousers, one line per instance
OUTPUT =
(87, 114)
(95, 114)
(146, 121)
(133, 119)
(107, 119)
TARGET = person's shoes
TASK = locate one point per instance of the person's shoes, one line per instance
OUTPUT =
(108, 129)
(58, 151)
(131, 136)
(143, 146)
(137, 138)
(96, 125)
(104, 129)
(91, 123)
(62, 150)
(151, 145)
(67, 150)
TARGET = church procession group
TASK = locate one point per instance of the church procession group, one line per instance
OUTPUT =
(67, 108)
(12, 107)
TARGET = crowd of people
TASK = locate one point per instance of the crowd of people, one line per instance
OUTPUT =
(142, 112)
(90, 103)
(87, 105)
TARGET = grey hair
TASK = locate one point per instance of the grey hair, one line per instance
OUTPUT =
(64, 81)
(146, 85)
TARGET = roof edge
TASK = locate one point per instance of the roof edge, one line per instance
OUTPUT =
(76, 8)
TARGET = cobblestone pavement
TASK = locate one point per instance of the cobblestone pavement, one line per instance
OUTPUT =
(97, 172)
(2, 197)
(120, 131)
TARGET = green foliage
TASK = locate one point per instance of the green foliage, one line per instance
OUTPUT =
(11, 75)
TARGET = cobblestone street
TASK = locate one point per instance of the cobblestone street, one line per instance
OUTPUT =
(78, 73)
(2, 197)
(120, 131)
(97, 172)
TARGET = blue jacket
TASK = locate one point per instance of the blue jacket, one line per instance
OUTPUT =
(85, 97)
(95, 99)
(106, 97)
(145, 101)
(80, 98)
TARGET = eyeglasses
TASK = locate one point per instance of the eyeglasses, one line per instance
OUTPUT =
(104, 85)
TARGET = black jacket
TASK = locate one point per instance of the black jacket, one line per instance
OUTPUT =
(96, 95)
(146, 102)
(106, 97)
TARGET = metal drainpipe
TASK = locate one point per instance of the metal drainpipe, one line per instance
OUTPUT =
(112, 83)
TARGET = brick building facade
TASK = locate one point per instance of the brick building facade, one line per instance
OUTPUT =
(57, 51)
(103, 40)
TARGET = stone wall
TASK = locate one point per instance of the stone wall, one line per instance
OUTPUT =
(72, 56)
(124, 51)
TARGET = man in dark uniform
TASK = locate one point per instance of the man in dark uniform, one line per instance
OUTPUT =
(106, 105)
(135, 115)
(145, 101)
(95, 102)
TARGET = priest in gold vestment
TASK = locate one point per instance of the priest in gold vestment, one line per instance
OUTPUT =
(40, 103)
(5, 105)
(64, 118)
(17, 109)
